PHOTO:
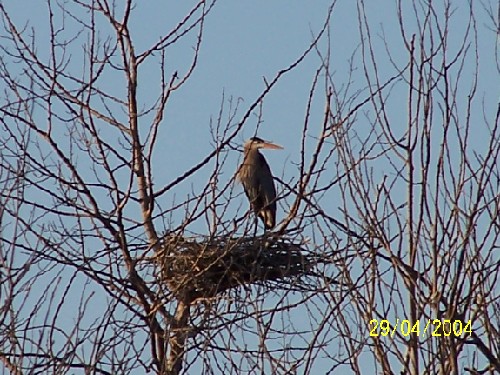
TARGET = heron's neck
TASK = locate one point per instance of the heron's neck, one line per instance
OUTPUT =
(252, 153)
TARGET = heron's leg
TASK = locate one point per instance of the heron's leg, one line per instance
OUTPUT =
(266, 242)
(256, 226)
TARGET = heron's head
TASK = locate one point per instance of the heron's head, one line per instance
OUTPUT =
(255, 143)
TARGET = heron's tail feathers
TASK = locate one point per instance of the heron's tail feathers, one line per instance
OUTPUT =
(268, 217)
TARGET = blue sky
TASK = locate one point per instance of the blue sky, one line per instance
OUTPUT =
(245, 41)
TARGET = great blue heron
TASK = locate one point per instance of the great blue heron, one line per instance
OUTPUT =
(257, 179)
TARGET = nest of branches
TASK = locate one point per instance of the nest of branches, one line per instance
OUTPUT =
(197, 268)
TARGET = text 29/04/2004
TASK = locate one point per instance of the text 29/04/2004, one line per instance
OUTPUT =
(434, 327)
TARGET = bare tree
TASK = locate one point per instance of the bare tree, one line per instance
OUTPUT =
(387, 257)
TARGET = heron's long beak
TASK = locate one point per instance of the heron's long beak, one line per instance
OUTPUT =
(271, 146)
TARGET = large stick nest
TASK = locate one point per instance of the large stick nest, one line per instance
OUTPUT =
(205, 267)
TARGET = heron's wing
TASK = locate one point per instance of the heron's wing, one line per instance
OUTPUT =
(266, 185)
(267, 202)
(251, 185)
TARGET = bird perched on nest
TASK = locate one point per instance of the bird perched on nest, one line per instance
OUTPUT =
(257, 180)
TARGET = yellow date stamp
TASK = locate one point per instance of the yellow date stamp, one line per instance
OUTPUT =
(433, 327)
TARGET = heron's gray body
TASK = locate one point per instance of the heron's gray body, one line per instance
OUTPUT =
(257, 180)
